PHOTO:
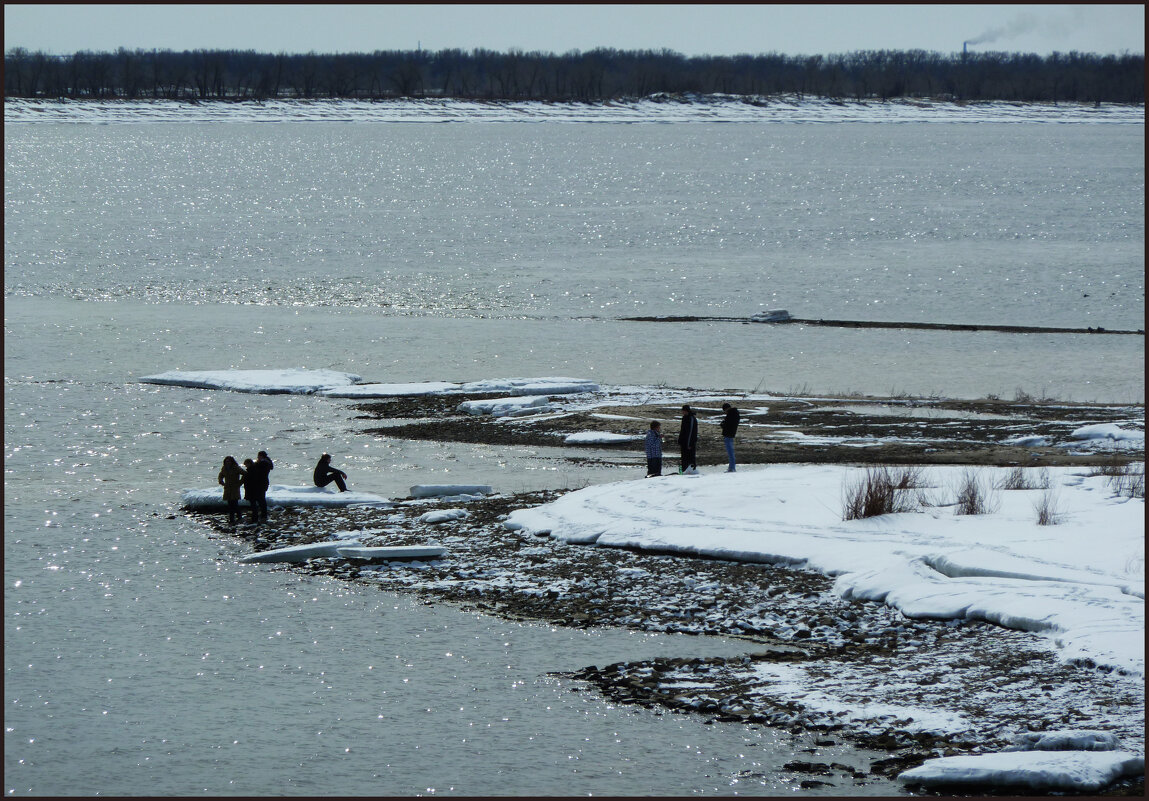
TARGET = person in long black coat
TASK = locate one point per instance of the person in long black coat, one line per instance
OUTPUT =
(688, 441)
(257, 482)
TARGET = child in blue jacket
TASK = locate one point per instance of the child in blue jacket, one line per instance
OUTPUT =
(654, 450)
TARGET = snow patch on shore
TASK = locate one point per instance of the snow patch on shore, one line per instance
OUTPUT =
(1080, 583)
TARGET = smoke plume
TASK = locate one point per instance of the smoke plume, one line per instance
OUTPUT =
(1056, 25)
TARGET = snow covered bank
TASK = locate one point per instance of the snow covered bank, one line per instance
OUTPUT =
(1107, 436)
(655, 109)
(508, 407)
(1081, 583)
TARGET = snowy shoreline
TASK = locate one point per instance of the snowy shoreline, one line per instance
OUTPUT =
(1078, 585)
(666, 109)
(918, 690)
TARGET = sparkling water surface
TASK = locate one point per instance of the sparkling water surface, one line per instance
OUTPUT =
(142, 659)
(989, 224)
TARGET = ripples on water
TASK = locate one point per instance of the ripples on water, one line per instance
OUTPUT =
(141, 659)
(936, 223)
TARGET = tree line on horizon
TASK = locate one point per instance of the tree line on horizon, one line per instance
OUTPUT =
(596, 75)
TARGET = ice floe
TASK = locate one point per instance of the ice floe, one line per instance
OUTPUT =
(334, 384)
(600, 438)
(444, 516)
(266, 382)
(211, 498)
(1070, 771)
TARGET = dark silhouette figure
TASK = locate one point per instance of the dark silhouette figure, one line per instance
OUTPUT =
(257, 482)
(325, 474)
(688, 441)
(729, 429)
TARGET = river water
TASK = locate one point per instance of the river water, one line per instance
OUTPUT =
(142, 659)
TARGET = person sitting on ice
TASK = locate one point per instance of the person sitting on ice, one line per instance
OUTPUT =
(325, 474)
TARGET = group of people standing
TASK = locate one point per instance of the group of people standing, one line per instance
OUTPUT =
(688, 442)
(255, 477)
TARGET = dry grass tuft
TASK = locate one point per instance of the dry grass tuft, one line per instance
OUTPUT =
(1021, 478)
(1123, 478)
(883, 491)
(974, 495)
(1048, 509)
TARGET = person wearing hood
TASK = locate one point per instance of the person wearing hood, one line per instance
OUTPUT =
(257, 481)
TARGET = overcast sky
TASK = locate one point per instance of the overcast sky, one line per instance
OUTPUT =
(808, 29)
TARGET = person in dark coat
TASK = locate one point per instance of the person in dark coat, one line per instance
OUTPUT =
(654, 450)
(257, 482)
(325, 474)
(247, 463)
(729, 429)
(231, 476)
(688, 441)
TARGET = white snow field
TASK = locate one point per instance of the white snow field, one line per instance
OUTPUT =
(1081, 582)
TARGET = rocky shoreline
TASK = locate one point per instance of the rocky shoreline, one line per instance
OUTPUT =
(997, 683)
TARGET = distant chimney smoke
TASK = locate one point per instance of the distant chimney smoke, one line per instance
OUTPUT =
(1028, 22)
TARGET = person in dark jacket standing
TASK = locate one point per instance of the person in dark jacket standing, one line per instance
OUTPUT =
(257, 482)
(654, 450)
(247, 463)
(325, 474)
(729, 429)
(688, 442)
